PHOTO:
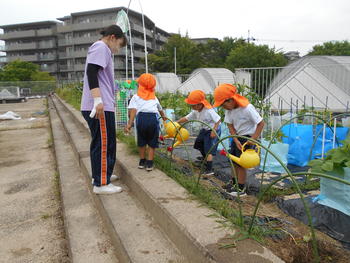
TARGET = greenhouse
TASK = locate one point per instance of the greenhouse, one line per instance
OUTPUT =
(167, 82)
(206, 79)
(321, 82)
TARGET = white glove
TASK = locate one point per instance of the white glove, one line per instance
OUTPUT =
(97, 101)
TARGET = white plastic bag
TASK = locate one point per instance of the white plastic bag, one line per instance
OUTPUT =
(10, 115)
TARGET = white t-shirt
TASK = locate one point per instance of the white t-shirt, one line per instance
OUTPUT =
(141, 105)
(244, 119)
(208, 116)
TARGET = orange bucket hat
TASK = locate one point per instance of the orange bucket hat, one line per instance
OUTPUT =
(197, 97)
(147, 84)
(228, 91)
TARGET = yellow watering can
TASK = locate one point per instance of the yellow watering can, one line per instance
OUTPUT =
(171, 130)
(249, 158)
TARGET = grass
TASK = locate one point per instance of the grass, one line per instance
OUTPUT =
(273, 193)
(70, 94)
(205, 194)
(45, 216)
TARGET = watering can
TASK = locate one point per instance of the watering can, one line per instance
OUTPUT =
(171, 131)
(249, 158)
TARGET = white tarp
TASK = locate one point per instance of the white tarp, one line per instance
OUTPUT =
(207, 79)
(319, 81)
(10, 115)
(167, 82)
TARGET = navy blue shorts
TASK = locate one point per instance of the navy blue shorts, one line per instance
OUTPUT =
(204, 142)
(237, 152)
(147, 125)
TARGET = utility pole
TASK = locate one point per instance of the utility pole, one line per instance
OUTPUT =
(175, 59)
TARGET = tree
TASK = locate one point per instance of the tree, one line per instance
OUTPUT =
(215, 52)
(42, 76)
(229, 53)
(333, 48)
(19, 70)
(249, 55)
(187, 56)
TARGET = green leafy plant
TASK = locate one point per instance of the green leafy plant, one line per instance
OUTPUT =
(278, 138)
(174, 101)
(335, 161)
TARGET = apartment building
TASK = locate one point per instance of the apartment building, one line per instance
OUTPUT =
(71, 37)
(34, 42)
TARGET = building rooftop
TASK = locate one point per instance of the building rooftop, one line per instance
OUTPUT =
(31, 24)
(106, 10)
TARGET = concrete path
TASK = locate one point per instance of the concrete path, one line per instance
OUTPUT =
(31, 225)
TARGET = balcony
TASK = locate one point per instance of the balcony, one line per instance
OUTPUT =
(139, 29)
(80, 54)
(119, 65)
(64, 29)
(46, 45)
(79, 67)
(92, 25)
(24, 46)
(64, 68)
(17, 34)
(140, 42)
(162, 38)
(139, 54)
(65, 42)
(29, 58)
(85, 40)
(51, 68)
(139, 66)
(65, 55)
(44, 32)
(49, 57)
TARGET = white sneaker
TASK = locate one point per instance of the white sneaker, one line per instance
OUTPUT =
(113, 178)
(107, 189)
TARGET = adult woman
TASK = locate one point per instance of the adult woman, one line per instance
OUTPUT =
(98, 106)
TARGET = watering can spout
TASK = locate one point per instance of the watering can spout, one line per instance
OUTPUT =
(235, 159)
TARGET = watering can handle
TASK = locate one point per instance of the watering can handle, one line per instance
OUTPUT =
(257, 146)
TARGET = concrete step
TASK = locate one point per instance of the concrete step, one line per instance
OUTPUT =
(134, 231)
(88, 241)
(185, 221)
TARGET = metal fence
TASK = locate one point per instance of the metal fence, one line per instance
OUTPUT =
(18, 89)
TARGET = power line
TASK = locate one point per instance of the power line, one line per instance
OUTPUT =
(295, 41)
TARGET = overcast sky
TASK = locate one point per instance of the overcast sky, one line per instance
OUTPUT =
(288, 25)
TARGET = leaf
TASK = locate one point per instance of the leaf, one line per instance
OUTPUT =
(327, 166)
(316, 162)
(347, 164)
(307, 238)
(339, 156)
(338, 169)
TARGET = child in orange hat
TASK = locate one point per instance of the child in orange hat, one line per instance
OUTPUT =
(145, 106)
(242, 119)
(203, 111)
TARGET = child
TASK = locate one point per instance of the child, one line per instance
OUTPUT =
(242, 119)
(145, 106)
(202, 111)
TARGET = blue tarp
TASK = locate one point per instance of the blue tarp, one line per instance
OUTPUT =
(300, 138)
